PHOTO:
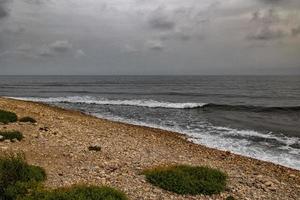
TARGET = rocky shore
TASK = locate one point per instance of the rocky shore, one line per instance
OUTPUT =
(75, 148)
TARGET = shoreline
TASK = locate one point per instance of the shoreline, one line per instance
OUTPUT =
(183, 135)
(127, 149)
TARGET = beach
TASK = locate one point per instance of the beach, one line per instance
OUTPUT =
(60, 139)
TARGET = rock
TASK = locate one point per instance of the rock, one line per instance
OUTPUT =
(14, 140)
(94, 148)
(4, 148)
(259, 177)
(292, 175)
(44, 128)
(272, 188)
(268, 184)
(1, 138)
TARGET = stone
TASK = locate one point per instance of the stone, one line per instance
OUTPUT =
(268, 184)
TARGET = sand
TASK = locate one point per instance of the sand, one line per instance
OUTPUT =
(60, 139)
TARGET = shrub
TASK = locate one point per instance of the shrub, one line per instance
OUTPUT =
(6, 117)
(11, 135)
(27, 119)
(78, 193)
(17, 177)
(183, 179)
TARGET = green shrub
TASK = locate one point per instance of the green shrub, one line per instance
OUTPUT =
(183, 179)
(20, 181)
(27, 119)
(11, 135)
(78, 193)
(6, 117)
(17, 177)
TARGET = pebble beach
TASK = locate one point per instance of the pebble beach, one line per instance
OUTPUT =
(60, 140)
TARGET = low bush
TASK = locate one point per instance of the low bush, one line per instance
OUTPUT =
(78, 193)
(21, 181)
(11, 135)
(7, 117)
(17, 177)
(27, 119)
(184, 179)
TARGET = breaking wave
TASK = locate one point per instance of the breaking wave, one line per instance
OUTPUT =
(160, 104)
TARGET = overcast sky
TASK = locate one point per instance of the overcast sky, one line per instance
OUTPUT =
(149, 37)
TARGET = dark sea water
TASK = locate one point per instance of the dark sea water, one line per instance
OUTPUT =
(256, 116)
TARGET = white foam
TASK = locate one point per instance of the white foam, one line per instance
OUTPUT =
(218, 141)
(102, 101)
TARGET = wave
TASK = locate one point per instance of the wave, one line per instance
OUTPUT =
(160, 104)
(250, 108)
(285, 155)
(102, 101)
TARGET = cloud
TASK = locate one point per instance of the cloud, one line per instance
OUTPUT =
(14, 29)
(295, 31)
(80, 53)
(271, 1)
(3, 10)
(130, 49)
(24, 47)
(267, 33)
(155, 45)
(45, 51)
(266, 25)
(57, 47)
(60, 46)
(160, 20)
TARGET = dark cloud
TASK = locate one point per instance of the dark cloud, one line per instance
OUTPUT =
(267, 33)
(160, 20)
(265, 29)
(295, 31)
(3, 9)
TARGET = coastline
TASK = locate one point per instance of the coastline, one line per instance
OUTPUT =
(127, 150)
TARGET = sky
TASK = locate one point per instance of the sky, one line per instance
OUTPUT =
(142, 37)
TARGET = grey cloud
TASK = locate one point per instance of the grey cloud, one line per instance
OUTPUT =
(14, 29)
(3, 9)
(267, 33)
(295, 31)
(265, 16)
(271, 1)
(281, 3)
(155, 45)
(57, 47)
(160, 20)
(130, 49)
(45, 52)
(264, 21)
(60, 46)
(24, 47)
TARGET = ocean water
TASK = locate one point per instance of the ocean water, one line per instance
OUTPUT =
(256, 116)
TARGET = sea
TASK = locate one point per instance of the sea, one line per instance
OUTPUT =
(255, 116)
